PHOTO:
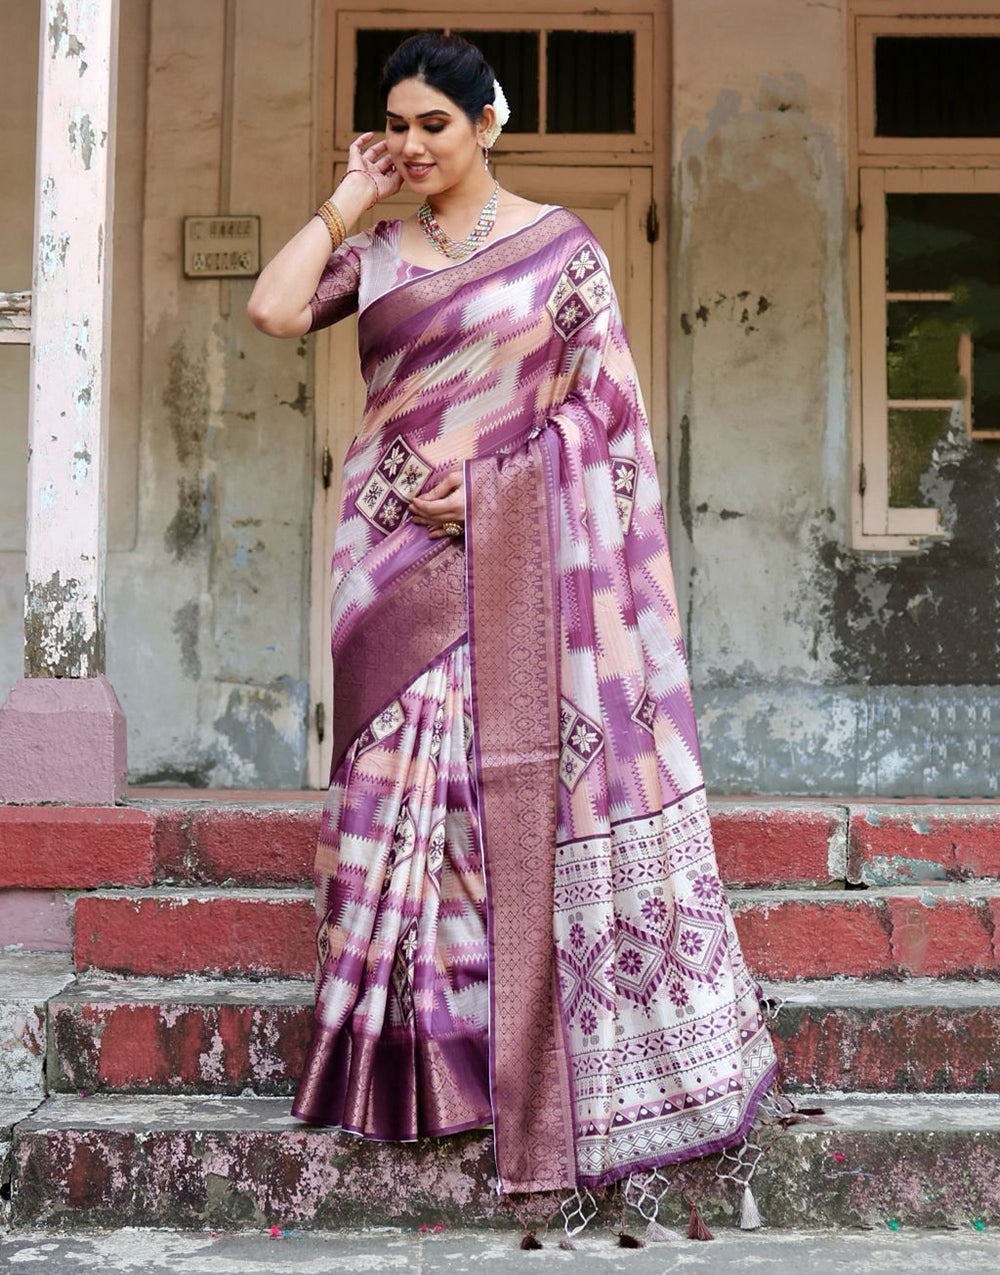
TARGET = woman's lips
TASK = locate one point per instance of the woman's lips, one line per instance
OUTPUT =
(418, 170)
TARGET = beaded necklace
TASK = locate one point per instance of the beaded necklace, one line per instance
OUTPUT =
(458, 248)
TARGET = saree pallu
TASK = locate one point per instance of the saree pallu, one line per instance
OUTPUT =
(520, 919)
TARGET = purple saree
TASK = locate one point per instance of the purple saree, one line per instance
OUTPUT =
(519, 914)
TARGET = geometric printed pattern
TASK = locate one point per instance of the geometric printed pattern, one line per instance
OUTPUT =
(587, 976)
(664, 1047)
(384, 724)
(582, 290)
(697, 941)
(581, 742)
(399, 473)
(645, 711)
(643, 962)
(623, 474)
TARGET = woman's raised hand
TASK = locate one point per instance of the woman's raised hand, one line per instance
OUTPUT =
(377, 163)
(444, 502)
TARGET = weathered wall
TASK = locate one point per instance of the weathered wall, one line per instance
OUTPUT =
(211, 432)
(212, 422)
(225, 486)
(812, 663)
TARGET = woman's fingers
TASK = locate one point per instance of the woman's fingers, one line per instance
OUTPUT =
(450, 482)
(442, 503)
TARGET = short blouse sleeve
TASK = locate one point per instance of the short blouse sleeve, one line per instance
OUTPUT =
(336, 294)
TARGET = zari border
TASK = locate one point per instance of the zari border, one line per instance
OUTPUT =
(512, 601)
(422, 615)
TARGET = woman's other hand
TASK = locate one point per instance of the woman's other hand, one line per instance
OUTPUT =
(377, 163)
(444, 502)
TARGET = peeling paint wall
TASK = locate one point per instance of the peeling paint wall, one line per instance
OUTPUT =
(813, 664)
(226, 475)
(817, 669)
(208, 605)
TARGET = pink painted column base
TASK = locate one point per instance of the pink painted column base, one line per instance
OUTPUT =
(63, 739)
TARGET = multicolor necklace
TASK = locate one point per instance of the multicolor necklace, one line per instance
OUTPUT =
(458, 248)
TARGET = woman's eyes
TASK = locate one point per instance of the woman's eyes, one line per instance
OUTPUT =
(431, 128)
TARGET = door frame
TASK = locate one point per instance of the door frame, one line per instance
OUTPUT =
(335, 347)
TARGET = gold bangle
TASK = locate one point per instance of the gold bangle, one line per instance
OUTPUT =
(331, 216)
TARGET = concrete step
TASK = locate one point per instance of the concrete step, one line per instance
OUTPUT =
(410, 1251)
(13, 1109)
(945, 928)
(232, 1163)
(27, 983)
(227, 1036)
(179, 1036)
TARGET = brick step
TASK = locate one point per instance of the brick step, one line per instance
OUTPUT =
(179, 1036)
(899, 845)
(236, 1163)
(946, 928)
(274, 844)
(918, 1035)
(261, 843)
(205, 1036)
(169, 931)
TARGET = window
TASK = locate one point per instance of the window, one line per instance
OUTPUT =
(927, 301)
(582, 80)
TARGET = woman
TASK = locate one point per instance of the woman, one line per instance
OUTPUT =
(520, 919)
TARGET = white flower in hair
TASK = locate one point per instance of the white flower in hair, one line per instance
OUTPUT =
(502, 109)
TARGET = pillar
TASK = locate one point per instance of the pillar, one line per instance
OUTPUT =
(62, 729)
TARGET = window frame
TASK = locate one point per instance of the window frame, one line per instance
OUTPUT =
(882, 165)
(597, 144)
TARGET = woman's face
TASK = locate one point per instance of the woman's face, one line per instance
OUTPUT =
(424, 128)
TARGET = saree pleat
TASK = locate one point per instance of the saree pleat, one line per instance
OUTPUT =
(400, 1049)
(519, 915)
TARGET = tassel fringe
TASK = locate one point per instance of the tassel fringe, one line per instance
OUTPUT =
(647, 1190)
(655, 1233)
(750, 1218)
(697, 1230)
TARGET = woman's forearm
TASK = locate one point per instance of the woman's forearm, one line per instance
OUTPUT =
(279, 302)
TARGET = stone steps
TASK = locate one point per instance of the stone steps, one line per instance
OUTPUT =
(226, 1036)
(214, 842)
(181, 1036)
(410, 1251)
(229, 1163)
(152, 1052)
(944, 928)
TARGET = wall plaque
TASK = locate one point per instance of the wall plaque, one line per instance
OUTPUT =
(222, 247)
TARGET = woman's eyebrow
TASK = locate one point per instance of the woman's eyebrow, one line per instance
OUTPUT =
(396, 116)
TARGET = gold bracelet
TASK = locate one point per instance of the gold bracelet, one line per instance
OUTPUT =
(331, 215)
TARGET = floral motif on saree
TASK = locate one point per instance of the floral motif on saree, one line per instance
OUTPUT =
(516, 879)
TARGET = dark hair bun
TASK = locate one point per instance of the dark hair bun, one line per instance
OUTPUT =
(449, 63)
